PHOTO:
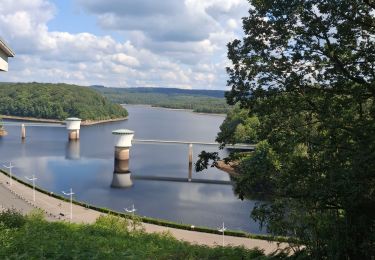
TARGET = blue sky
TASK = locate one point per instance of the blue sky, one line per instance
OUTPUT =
(70, 18)
(121, 43)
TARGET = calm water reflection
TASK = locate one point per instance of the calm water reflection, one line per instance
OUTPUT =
(87, 167)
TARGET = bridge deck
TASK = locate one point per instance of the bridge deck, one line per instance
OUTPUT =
(176, 179)
(32, 124)
(235, 146)
(146, 141)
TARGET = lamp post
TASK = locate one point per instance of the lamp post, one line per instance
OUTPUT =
(132, 210)
(33, 179)
(71, 201)
(222, 230)
(10, 172)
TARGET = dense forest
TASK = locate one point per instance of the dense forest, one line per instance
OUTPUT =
(205, 101)
(56, 101)
(303, 78)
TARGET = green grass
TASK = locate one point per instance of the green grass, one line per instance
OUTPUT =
(32, 237)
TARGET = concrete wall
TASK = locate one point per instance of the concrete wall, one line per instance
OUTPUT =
(3, 61)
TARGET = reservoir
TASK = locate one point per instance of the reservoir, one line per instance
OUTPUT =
(87, 167)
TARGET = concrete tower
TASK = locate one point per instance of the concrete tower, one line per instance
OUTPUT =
(121, 173)
(73, 125)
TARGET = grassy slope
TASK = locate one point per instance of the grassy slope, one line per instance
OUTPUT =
(109, 238)
(56, 101)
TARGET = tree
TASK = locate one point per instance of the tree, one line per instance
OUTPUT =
(56, 101)
(305, 68)
(238, 127)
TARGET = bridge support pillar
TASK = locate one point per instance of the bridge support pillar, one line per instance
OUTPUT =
(121, 173)
(73, 125)
(190, 176)
(23, 132)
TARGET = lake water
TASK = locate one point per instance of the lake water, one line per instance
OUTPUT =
(87, 167)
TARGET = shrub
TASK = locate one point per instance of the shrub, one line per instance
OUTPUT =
(11, 218)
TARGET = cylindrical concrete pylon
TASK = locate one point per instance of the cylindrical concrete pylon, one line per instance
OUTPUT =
(121, 173)
(23, 132)
(121, 180)
(73, 150)
(73, 125)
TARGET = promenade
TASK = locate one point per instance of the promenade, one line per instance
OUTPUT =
(20, 197)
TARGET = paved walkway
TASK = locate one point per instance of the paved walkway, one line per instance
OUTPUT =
(10, 200)
(21, 197)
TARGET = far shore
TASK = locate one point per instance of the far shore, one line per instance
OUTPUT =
(54, 121)
(176, 109)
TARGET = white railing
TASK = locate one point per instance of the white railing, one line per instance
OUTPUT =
(234, 146)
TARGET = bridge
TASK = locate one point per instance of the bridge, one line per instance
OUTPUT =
(125, 148)
(234, 146)
(177, 179)
(121, 164)
(32, 124)
(24, 125)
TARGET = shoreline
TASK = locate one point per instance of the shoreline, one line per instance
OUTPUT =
(55, 121)
(97, 122)
(176, 109)
(54, 205)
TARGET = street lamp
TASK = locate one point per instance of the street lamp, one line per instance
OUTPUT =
(222, 230)
(10, 172)
(132, 210)
(33, 179)
(71, 201)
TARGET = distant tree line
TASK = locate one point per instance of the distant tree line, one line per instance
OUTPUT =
(56, 101)
(204, 101)
(161, 90)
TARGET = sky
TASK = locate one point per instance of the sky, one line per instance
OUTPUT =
(121, 43)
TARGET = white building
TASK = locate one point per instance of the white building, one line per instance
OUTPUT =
(5, 53)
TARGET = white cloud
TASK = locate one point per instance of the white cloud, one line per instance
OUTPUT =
(173, 43)
(125, 59)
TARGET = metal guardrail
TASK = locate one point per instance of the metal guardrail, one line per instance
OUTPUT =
(180, 179)
(146, 141)
(235, 146)
(32, 124)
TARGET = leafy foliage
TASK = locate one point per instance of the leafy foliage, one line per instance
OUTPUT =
(238, 127)
(306, 70)
(11, 218)
(56, 101)
(109, 238)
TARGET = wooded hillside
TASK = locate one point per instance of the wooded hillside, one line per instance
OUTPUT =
(56, 101)
(205, 101)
